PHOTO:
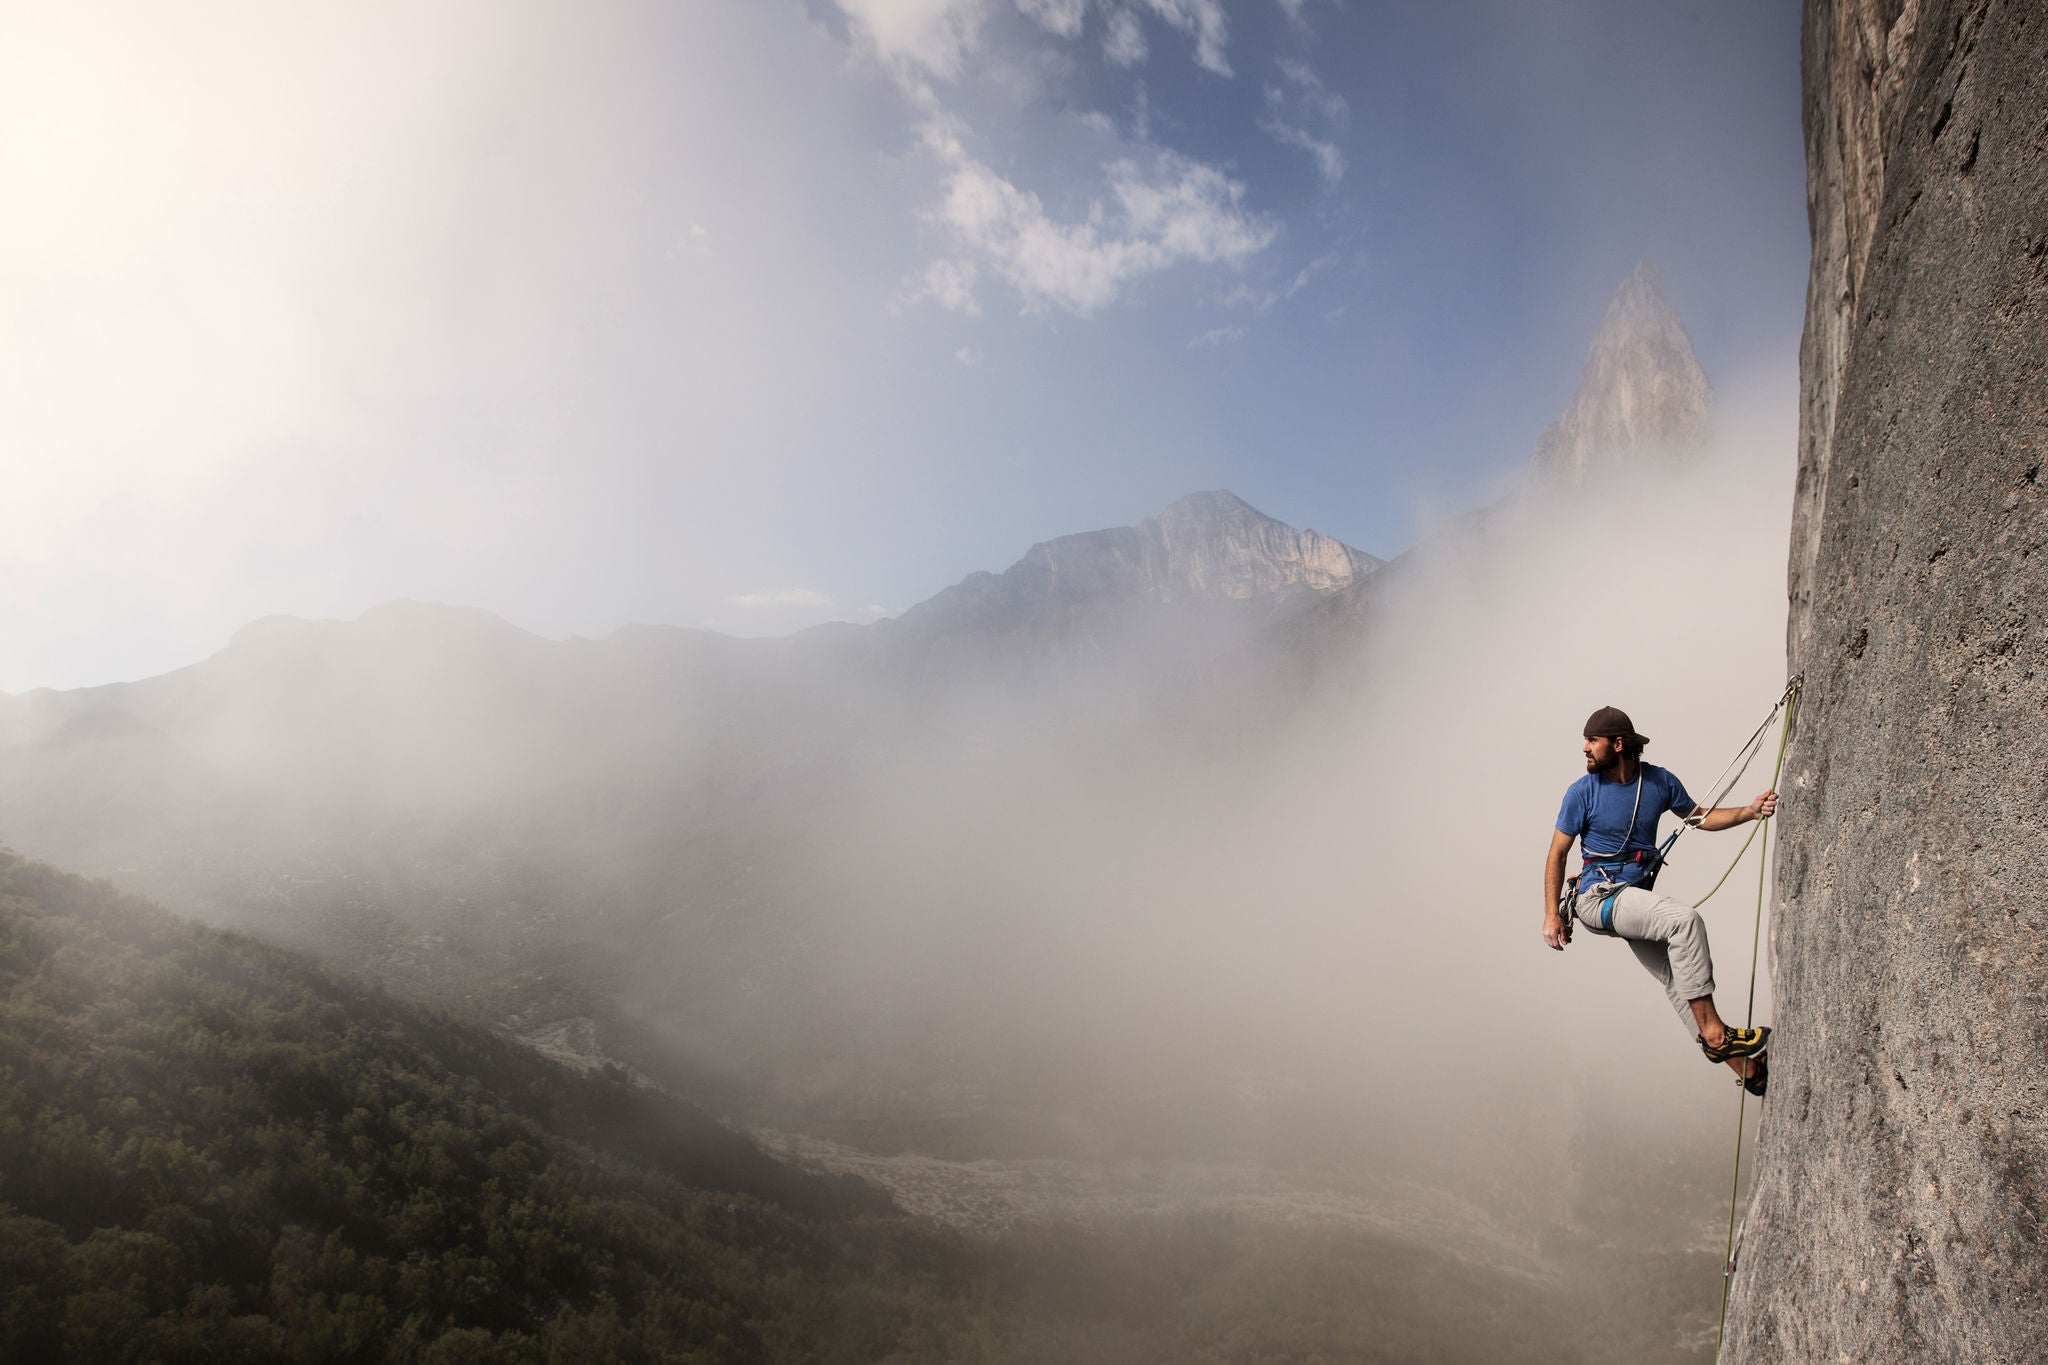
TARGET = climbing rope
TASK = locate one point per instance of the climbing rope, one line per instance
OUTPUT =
(1790, 704)
(1726, 781)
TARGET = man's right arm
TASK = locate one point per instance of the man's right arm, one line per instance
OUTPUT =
(1557, 927)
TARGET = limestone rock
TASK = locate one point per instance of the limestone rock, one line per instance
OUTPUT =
(1642, 389)
(1901, 1211)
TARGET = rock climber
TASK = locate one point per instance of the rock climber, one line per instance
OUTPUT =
(1613, 812)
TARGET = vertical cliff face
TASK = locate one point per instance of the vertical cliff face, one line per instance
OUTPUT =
(1902, 1200)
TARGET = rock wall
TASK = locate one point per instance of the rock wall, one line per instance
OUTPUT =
(1902, 1193)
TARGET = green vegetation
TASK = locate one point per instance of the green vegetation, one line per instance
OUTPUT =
(211, 1149)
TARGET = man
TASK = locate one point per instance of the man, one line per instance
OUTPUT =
(1613, 812)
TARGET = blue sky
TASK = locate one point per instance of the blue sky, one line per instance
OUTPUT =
(751, 313)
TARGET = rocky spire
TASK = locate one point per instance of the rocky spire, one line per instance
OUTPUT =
(1642, 389)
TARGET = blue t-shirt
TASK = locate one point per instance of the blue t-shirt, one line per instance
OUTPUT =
(1596, 812)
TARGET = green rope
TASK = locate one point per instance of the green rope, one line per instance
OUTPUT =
(1731, 866)
(1763, 861)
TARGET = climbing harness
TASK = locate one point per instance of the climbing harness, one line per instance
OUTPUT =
(1789, 703)
(1652, 861)
(1609, 865)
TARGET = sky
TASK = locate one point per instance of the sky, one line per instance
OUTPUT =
(747, 314)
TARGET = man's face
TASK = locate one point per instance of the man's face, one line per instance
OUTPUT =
(1603, 754)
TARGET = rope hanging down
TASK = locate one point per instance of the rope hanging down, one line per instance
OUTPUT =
(1789, 703)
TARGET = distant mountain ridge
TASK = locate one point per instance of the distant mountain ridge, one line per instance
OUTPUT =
(1205, 547)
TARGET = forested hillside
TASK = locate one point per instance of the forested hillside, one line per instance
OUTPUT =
(211, 1149)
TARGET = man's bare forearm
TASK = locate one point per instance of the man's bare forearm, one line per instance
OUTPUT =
(1727, 817)
(1553, 884)
(1557, 930)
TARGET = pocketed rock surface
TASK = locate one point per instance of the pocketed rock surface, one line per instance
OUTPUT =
(1903, 1164)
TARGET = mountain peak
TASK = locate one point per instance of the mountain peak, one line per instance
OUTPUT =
(1642, 388)
(1206, 546)
(1215, 502)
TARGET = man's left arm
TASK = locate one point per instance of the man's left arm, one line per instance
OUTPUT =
(1726, 817)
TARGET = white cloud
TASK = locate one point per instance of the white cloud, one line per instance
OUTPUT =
(950, 284)
(1203, 20)
(1297, 10)
(1216, 336)
(1173, 210)
(935, 35)
(1060, 17)
(1305, 103)
(1124, 41)
(968, 355)
(787, 597)
(1189, 208)
(1329, 160)
(1154, 209)
(871, 611)
(1262, 301)
(1320, 99)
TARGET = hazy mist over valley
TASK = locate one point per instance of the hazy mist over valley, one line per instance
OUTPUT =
(1127, 950)
(1164, 886)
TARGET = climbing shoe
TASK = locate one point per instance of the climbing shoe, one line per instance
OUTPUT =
(1759, 1077)
(1740, 1042)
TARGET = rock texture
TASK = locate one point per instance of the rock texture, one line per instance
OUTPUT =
(1642, 390)
(1902, 1196)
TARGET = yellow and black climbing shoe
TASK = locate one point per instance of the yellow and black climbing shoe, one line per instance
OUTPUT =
(1759, 1077)
(1740, 1042)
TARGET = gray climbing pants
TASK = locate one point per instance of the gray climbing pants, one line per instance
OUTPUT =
(1668, 938)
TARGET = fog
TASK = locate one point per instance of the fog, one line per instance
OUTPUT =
(1191, 905)
(1154, 879)
(1156, 918)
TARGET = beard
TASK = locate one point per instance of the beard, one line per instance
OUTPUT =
(1608, 765)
